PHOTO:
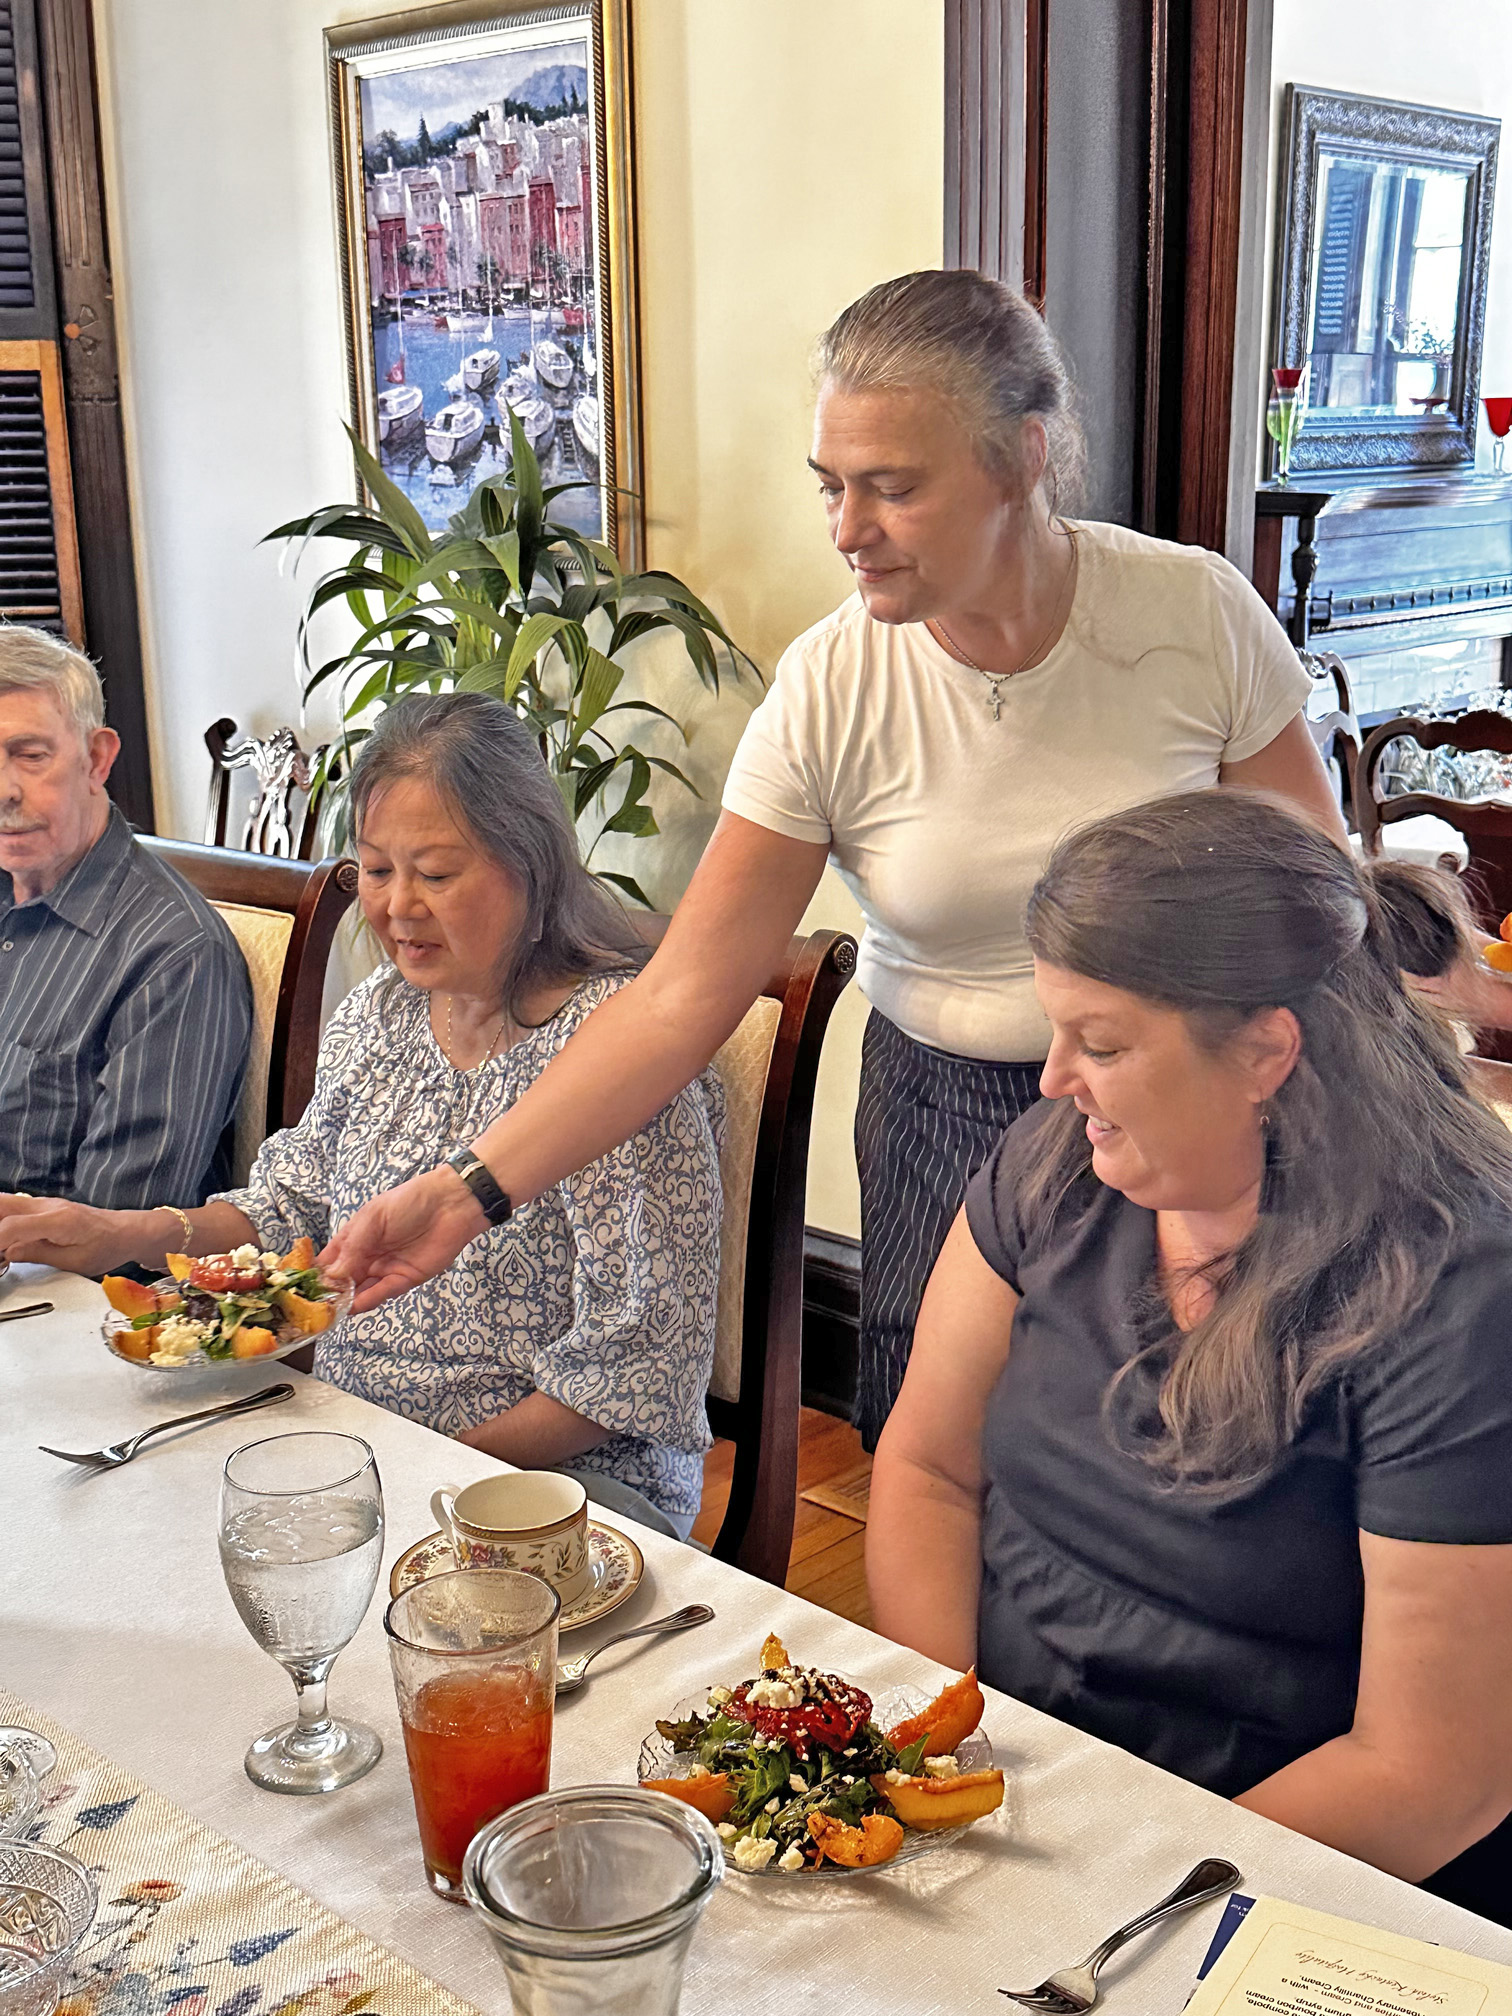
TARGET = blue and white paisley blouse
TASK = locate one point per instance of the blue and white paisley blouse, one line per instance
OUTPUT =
(601, 1292)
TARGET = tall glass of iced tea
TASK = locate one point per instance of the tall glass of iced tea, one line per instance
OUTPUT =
(474, 1659)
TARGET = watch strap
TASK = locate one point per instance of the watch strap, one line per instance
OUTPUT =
(493, 1202)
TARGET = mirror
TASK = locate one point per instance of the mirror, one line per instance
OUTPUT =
(1382, 277)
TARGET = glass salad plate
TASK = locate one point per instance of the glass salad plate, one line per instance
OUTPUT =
(658, 1759)
(287, 1338)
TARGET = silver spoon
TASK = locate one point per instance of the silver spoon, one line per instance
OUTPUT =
(571, 1673)
(1071, 1991)
(114, 1454)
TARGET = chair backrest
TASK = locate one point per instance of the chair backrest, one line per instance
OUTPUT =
(280, 769)
(769, 1067)
(1485, 823)
(1334, 729)
(284, 915)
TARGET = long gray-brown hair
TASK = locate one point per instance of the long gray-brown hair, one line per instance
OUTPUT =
(981, 347)
(1222, 904)
(484, 764)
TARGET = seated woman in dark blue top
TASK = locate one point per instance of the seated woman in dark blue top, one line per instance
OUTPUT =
(1242, 1502)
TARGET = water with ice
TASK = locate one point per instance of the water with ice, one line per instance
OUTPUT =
(301, 1571)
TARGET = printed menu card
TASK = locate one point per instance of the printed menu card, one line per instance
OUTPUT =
(1284, 1960)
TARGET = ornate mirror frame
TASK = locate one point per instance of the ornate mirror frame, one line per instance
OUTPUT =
(1317, 120)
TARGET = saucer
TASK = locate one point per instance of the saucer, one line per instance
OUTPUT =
(615, 1568)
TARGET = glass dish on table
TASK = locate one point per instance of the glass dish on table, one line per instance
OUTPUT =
(803, 1774)
(25, 1760)
(474, 1660)
(47, 1903)
(301, 1539)
(242, 1307)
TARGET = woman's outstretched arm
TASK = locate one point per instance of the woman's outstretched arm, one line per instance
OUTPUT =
(924, 1523)
(632, 1055)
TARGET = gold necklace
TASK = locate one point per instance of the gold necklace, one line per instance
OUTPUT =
(998, 680)
(447, 1045)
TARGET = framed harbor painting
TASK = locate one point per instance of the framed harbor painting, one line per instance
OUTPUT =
(485, 170)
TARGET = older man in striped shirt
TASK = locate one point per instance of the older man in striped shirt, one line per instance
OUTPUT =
(125, 1008)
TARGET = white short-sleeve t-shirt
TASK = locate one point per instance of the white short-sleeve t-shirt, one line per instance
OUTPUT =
(940, 819)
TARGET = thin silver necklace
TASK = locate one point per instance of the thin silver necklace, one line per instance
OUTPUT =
(998, 680)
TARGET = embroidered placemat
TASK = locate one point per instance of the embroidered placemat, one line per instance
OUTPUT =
(190, 1924)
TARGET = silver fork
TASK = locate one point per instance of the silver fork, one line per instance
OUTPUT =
(114, 1454)
(1072, 1990)
(571, 1673)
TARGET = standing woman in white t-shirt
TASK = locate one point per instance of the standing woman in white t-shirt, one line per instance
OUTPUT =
(1001, 674)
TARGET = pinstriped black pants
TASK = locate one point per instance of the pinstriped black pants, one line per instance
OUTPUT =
(925, 1123)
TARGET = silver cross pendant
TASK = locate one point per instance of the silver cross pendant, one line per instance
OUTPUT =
(997, 698)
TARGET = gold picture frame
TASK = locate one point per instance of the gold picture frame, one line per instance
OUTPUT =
(505, 215)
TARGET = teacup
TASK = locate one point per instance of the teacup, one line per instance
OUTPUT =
(533, 1520)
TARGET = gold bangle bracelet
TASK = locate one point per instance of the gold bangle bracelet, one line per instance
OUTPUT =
(183, 1218)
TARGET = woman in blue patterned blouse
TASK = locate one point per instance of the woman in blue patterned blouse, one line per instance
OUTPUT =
(580, 1334)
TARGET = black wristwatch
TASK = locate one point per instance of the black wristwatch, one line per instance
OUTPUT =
(492, 1201)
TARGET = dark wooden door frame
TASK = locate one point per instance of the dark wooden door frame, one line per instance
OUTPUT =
(92, 393)
(997, 109)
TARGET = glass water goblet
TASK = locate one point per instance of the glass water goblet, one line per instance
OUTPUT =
(301, 1539)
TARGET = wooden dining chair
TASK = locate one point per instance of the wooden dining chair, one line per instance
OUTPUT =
(768, 1069)
(282, 772)
(1484, 823)
(1334, 728)
(283, 915)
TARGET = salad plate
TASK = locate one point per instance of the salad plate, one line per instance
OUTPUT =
(806, 1775)
(240, 1307)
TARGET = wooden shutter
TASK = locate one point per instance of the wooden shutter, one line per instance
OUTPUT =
(39, 546)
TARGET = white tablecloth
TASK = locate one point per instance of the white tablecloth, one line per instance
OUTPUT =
(114, 1619)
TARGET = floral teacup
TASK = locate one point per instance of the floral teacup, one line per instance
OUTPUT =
(533, 1520)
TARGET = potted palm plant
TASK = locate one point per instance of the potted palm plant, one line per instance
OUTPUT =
(510, 603)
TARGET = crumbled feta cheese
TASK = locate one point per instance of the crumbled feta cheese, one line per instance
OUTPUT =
(751, 1854)
(897, 1777)
(792, 1860)
(178, 1338)
(727, 1830)
(797, 1784)
(699, 1771)
(847, 1779)
(758, 1742)
(245, 1256)
(718, 1696)
(270, 1259)
(771, 1805)
(847, 1753)
(279, 1277)
(775, 1692)
(941, 1767)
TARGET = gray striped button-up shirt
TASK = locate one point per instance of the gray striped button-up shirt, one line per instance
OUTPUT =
(125, 1014)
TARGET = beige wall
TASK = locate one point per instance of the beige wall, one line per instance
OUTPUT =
(790, 156)
(1456, 54)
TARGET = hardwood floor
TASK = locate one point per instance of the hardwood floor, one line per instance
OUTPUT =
(826, 1565)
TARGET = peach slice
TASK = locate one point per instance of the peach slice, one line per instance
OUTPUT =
(178, 1265)
(138, 1344)
(948, 1720)
(713, 1795)
(877, 1839)
(308, 1317)
(250, 1342)
(773, 1654)
(299, 1256)
(130, 1297)
(942, 1802)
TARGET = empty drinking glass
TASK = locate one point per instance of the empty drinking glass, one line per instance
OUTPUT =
(474, 1659)
(47, 1903)
(593, 1896)
(301, 1537)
